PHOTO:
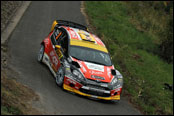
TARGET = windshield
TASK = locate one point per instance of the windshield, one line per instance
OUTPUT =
(90, 55)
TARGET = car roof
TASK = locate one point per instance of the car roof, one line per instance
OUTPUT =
(83, 38)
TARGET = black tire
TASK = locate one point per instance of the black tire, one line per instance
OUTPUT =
(115, 101)
(41, 53)
(60, 76)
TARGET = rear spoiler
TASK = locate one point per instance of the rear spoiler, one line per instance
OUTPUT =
(68, 24)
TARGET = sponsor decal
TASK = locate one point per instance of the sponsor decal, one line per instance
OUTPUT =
(104, 85)
(46, 42)
(97, 77)
(109, 72)
(76, 31)
(52, 53)
(96, 73)
(73, 34)
(95, 67)
(84, 70)
(53, 57)
(70, 81)
(68, 68)
(116, 90)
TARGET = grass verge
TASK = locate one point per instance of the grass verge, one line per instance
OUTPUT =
(132, 54)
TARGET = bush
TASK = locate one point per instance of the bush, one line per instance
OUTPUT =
(155, 18)
(166, 46)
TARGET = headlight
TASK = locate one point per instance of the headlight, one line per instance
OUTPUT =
(78, 74)
(114, 81)
(117, 81)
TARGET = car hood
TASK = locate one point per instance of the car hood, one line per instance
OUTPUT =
(95, 71)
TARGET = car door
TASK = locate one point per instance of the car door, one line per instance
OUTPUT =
(54, 58)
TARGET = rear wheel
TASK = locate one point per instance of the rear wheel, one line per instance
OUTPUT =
(60, 76)
(41, 53)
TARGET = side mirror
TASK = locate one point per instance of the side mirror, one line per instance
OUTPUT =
(58, 51)
(57, 46)
(113, 72)
(76, 64)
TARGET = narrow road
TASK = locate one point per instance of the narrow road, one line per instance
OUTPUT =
(24, 45)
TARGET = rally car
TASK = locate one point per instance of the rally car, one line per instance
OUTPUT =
(80, 62)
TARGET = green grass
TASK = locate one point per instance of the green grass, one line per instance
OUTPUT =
(9, 110)
(132, 54)
(4, 111)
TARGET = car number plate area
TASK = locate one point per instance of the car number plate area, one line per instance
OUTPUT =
(96, 90)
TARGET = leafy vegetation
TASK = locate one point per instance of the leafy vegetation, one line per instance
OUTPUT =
(134, 49)
(156, 19)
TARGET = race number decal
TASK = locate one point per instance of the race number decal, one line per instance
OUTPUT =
(54, 59)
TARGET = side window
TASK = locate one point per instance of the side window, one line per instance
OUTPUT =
(53, 40)
(54, 36)
(56, 32)
(60, 37)
(63, 41)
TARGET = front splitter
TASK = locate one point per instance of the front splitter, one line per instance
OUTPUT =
(68, 88)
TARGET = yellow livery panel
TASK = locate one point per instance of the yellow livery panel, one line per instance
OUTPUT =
(88, 45)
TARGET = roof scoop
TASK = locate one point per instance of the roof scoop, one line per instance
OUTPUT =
(87, 37)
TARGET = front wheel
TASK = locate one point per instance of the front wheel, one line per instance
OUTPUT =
(41, 53)
(115, 101)
(60, 76)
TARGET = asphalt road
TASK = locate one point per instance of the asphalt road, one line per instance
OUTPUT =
(23, 45)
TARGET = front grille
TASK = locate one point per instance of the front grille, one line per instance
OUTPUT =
(97, 85)
(95, 88)
(93, 81)
(97, 93)
(97, 77)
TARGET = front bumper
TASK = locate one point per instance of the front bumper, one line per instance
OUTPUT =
(76, 87)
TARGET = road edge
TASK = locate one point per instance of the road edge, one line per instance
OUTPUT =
(82, 10)
(14, 21)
